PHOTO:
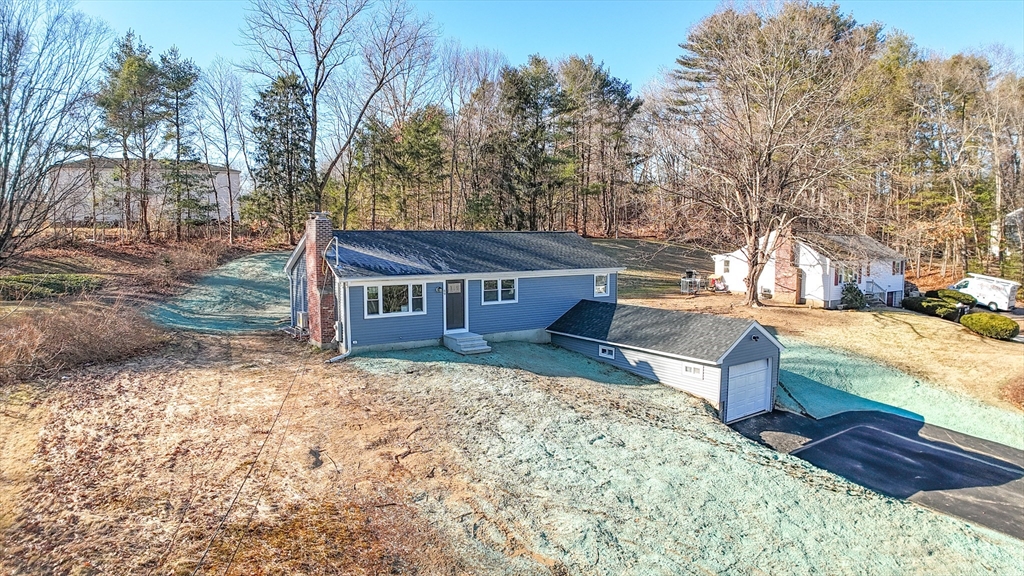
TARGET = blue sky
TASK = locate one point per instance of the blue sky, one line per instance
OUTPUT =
(635, 39)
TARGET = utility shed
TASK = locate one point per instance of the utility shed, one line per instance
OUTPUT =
(730, 362)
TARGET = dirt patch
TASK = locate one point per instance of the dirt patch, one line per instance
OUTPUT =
(21, 418)
(136, 469)
(424, 461)
(1014, 393)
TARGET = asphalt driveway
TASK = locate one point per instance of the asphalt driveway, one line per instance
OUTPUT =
(975, 479)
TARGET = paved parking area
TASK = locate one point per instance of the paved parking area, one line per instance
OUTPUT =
(974, 479)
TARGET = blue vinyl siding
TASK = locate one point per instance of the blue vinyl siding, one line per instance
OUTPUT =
(541, 302)
(396, 329)
(668, 371)
(299, 295)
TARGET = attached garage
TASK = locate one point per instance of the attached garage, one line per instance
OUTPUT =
(730, 362)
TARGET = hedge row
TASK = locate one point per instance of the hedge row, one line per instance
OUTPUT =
(991, 325)
(32, 286)
(952, 296)
(932, 306)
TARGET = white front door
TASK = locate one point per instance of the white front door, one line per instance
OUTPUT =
(749, 391)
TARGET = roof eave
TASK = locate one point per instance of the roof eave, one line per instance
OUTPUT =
(475, 275)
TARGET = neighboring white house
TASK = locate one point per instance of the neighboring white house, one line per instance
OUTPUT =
(108, 194)
(812, 269)
(1013, 234)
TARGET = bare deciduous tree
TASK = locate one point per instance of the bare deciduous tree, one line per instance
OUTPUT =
(221, 92)
(345, 52)
(769, 100)
(49, 56)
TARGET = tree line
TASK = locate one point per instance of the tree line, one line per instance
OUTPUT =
(793, 117)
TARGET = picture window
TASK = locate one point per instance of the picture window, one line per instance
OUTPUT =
(394, 299)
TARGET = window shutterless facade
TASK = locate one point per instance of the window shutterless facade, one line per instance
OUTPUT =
(601, 285)
(501, 291)
(394, 300)
(606, 352)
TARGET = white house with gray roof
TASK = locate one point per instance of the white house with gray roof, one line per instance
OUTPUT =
(732, 363)
(812, 269)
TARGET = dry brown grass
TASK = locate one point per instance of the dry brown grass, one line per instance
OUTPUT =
(130, 469)
(42, 341)
(136, 268)
(178, 264)
(1014, 392)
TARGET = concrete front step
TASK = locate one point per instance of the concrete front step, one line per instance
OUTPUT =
(466, 343)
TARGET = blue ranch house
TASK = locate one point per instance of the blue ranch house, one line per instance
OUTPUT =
(385, 290)
(379, 290)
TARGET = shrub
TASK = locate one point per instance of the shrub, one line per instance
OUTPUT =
(852, 297)
(932, 306)
(991, 325)
(40, 341)
(31, 286)
(953, 296)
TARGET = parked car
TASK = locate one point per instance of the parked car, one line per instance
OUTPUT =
(994, 293)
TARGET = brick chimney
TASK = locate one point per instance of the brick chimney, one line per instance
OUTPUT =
(787, 274)
(320, 285)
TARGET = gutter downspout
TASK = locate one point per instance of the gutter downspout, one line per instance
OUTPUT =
(342, 332)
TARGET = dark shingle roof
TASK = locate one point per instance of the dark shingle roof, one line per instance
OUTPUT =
(368, 254)
(851, 247)
(703, 337)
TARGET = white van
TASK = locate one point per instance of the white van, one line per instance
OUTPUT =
(995, 293)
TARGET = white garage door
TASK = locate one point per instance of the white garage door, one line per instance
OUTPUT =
(749, 390)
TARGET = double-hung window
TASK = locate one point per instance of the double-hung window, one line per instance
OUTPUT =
(600, 284)
(394, 300)
(501, 291)
(849, 275)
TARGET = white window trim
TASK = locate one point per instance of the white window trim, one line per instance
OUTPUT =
(604, 351)
(380, 292)
(698, 370)
(607, 286)
(499, 300)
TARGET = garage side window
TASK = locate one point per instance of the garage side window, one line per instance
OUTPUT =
(600, 284)
(725, 266)
(606, 352)
(693, 370)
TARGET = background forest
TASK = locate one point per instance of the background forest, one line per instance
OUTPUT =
(788, 117)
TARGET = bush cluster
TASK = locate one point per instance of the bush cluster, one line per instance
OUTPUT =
(952, 296)
(31, 286)
(991, 325)
(852, 297)
(932, 306)
(36, 342)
